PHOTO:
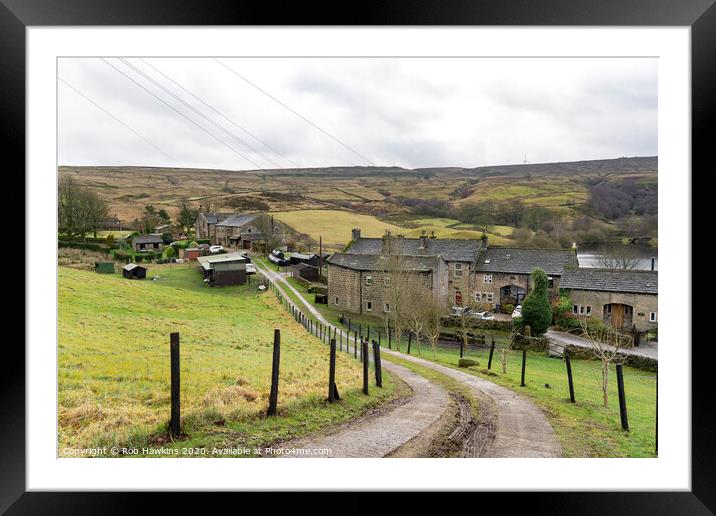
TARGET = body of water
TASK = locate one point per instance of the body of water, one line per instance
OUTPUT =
(590, 257)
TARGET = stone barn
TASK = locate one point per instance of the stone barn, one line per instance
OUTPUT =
(622, 299)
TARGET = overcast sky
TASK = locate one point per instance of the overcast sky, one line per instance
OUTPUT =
(405, 112)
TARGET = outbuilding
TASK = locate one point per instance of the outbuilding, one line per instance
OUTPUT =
(190, 253)
(224, 269)
(104, 267)
(134, 271)
(148, 243)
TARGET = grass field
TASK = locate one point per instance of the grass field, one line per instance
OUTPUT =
(334, 226)
(113, 372)
(585, 428)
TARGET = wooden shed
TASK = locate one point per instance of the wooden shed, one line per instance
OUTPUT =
(104, 267)
(134, 271)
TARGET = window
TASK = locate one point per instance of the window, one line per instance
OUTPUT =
(369, 306)
(652, 316)
(336, 301)
(369, 280)
(458, 269)
(575, 309)
(386, 281)
(489, 297)
(550, 284)
(488, 278)
(589, 310)
(581, 310)
(387, 307)
(478, 297)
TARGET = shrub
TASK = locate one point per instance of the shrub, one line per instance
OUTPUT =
(194, 244)
(110, 240)
(536, 310)
(508, 308)
(169, 252)
(467, 362)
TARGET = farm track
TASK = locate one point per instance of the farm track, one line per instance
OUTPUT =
(509, 425)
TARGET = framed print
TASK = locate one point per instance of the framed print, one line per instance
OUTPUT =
(436, 248)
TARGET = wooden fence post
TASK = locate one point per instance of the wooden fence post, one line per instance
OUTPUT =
(622, 398)
(355, 344)
(410, 341)
(273, 395)
(492, 350)
(569, 374)
(332, 389)
(390, 343)
(378, 367)
(524, 361)
(379, 337)
(368, 334)
(364, 353)
(175, 421)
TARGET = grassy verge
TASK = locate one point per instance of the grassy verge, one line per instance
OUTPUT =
(584, 428)
(113, 364)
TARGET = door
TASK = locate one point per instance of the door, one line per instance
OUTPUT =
(617, 316)
(458, 298)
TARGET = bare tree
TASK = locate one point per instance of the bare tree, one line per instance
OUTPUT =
(432, 311)
(80, 211)
(415, 323)
(505, 349)
(270, 230)
(466, 321)
(606, 344)
(620, 257)
(397, 271)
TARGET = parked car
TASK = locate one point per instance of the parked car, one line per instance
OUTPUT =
(250, 268)
(517, 312)
(484, 316)
(457, 311)
(214, 249)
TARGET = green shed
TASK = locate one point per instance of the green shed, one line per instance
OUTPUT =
(104, 267)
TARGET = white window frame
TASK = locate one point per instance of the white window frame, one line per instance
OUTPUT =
(369, 306)
(589, 310)
(368, 280)
(386, 308)
(653, 316)
(487, 278)
(386, 281)
(458, 269)
(490, 297)
(575, 309)
(335, 301)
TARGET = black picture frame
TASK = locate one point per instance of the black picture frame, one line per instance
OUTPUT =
(700, 15)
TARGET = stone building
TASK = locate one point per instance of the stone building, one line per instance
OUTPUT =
(358, 278)
(623, 299)
(503, 274)
(237, 230)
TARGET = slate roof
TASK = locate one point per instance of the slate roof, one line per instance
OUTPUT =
(147, 239)
(372, 262)
(523, 261)
(636, 282)
(213, 218)
(450, 249)
(237, 220)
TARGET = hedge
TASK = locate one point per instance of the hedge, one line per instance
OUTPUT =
(91, 246)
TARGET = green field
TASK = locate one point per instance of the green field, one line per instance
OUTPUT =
(113, 371)
(585, 428)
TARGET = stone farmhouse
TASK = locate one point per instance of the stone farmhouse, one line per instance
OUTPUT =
(469, 272)
(237, 230)
(623, 299)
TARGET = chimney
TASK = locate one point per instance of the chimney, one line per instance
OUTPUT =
(653, 262)
(387, 240)
(423, 241)
(483, 239)
(575, 261)
(355, 233)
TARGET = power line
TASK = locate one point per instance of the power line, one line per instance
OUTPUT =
(295, 112)
(113, 117)
(180, 113)
(189, 106)
(221, 114)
